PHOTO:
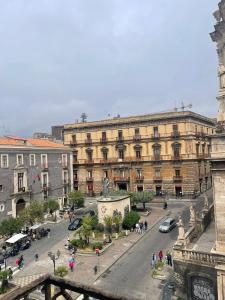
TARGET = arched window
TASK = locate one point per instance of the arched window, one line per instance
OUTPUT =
(137, 149)
(176, 150)
(105, 153)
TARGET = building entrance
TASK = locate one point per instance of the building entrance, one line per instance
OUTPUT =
(158, 190)
(20, 205)
(140, 188)
(122, 186)
(178, 191)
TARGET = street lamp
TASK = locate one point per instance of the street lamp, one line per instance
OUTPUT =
(53, 257)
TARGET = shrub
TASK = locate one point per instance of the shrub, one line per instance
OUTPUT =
(98, 245)
(130, 220)
(78, 243)
(61, 271)
(100, 227)
(76, 198)
(159, 265)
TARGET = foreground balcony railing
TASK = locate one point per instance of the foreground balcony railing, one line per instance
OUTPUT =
(47, 281)
(121, 178)
(203, 257)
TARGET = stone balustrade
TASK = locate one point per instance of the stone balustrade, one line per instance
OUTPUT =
(210, 259)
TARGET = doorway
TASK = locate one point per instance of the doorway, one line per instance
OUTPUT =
(20, 205)
(178, 191)
(158, 190)
(122, 186)
(140, 188)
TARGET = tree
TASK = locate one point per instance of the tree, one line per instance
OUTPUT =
(117, 219)
(131, 220)
(33, 213)
(86, 228)
(108, 220)
(4, 281)
(76, 198)
(11, 226)
(142, 197)
(51, 206)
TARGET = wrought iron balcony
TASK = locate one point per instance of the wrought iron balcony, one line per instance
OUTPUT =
(44, 167)
(157, 157)
(155, 136)
(177, 178)
(88, 142)
(88, 161)
(120, 139)
(157, 178)
(89, 179)
(121, 178)
(73, 143)
(137, 138)
(139, 178)
(175, 134)
(45, 186)
(176, 157)
(103, 141)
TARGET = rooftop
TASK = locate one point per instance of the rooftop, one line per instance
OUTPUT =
(29, 142)
(143, 118)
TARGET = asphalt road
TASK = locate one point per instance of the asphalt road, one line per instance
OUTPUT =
(131, 275)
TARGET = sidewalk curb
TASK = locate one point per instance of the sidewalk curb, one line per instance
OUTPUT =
(141, 237)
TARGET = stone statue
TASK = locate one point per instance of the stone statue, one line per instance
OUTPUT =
(105, 186)
(192, 215)
(206, 203)
(181, 233)
(221, 74)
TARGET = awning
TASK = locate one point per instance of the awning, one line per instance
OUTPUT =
(36, 226)
(15, 238)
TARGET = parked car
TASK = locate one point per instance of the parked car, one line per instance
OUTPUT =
(75, 224)
(167, 225)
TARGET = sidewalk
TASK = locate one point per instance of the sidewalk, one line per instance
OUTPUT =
(84, 269)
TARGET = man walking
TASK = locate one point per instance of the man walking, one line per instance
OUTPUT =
(153, 262)
(160, 255)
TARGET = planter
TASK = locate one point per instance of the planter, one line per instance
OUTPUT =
(92, 253)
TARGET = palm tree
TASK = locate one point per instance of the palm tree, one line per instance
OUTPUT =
(117, 219)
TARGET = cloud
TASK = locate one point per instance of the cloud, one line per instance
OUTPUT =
(111, 56)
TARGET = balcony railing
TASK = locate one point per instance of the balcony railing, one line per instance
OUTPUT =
(63, 286)
(155, 136)
(137, 138)
(89, 179)
(64, 165)
(139, 178)
(176, 157)
(73, 143)
(103, 141)
(65, 182)
(120, 139)
(175, 134)
(157, 178)
(121, 178)
(157, 157)
(44, 166)
(177, 178)
(88, 161)
(211, 259)
(88, 142)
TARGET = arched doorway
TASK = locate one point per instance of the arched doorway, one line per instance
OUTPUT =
(20, 205)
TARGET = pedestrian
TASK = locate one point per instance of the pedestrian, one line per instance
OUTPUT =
(146, 225)
(137, 228)
(48, 232)
(70, 216)
(160, 255)
(95, 270)
(21, 262)
(36, 257)
(72, 263)
(10, 273)
(141, 227)
(169, 259)
(153, 262)
(97, 251)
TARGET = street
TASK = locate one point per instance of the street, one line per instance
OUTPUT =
(132, 273)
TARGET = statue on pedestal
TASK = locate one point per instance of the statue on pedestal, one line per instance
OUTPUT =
(221, 74)
(105, 187)
(192, 216)
(181, 233)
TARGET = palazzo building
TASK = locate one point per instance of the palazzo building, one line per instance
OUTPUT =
(32, 169)
(163, 152)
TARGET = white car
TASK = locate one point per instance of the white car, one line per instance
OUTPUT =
(167, 225)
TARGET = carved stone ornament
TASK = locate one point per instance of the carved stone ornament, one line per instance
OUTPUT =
(181, 233)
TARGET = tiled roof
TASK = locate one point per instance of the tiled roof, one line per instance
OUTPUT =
(29, 142)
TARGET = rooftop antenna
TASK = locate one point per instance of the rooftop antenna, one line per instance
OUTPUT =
(183, 106)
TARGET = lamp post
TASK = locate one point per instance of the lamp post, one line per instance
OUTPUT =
(53, 257)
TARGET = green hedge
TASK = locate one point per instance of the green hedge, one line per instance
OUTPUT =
(98, 245)
(78, 243)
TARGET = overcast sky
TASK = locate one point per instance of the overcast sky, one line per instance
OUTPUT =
(59, 58)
